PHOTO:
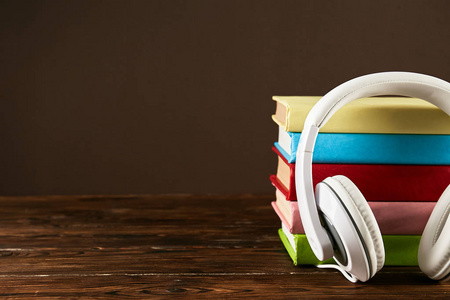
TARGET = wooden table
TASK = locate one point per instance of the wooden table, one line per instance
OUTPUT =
(168, 246)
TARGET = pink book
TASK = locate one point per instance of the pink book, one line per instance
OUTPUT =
(392, 217)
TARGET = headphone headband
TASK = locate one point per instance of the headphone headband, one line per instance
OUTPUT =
(428, 88)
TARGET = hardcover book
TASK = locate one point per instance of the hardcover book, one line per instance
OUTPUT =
(398, 115)
(397, 182)
(400, 250)
(370, 148)
(392, 217)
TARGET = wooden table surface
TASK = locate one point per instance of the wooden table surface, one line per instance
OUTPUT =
(169, 246)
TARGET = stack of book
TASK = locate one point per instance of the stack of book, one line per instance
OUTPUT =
(396, 151)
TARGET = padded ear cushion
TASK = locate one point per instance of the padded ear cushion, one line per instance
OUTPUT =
(363, 217)
(434, 248)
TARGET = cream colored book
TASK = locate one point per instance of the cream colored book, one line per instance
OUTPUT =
(398, 115)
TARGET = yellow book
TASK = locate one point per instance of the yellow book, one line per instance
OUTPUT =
(398, 115)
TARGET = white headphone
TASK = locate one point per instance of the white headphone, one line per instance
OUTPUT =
(337, 220)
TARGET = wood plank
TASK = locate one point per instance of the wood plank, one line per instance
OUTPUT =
(310, 284)
(180, 246)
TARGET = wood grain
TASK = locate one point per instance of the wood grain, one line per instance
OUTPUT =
(177, 246)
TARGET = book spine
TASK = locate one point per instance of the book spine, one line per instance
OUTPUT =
(401, 250)
(359, 148)
(398, 182)
(392, 217)
(391, 115)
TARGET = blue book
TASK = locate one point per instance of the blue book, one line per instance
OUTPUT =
(369, 148)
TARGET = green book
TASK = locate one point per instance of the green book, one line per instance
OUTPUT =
(401, 250)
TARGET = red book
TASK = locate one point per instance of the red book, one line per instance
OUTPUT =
(376, 182)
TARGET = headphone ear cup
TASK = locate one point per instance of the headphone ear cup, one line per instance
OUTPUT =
(363, 219)
(434, 247)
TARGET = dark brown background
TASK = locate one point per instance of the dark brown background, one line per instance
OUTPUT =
(118, 97)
